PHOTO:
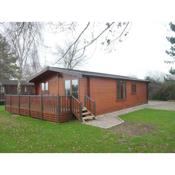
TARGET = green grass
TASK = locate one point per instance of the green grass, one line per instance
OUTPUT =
(25, 134)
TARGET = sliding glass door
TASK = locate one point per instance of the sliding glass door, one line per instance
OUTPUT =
(71, 88)
(75, 88)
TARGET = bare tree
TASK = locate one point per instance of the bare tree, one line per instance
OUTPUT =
(24, 38)
(111, 33)
(72, 58)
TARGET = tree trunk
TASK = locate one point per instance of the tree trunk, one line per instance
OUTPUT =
(19, 81)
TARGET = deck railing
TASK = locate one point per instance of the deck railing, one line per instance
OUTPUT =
(2, 97)
(46, 107)
(90, 104)
(76, 108)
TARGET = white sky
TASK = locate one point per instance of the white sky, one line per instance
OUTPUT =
(141, 53)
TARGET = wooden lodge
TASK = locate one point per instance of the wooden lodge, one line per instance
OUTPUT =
(10, 87)
(61, 94)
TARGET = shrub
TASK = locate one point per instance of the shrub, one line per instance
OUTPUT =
(163, 91)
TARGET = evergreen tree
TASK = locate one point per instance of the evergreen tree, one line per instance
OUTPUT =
(8, 67)
(171, 39)
(172, 71)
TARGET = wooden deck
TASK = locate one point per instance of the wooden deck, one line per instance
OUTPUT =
(45, 107)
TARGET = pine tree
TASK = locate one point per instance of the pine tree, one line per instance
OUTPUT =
(172, 71)
(171, 39)
(8, 67)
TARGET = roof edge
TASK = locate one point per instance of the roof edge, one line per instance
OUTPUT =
(85, 73)
(39, 73)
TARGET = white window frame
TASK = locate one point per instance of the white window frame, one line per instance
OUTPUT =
(2, 89)
(45, 86)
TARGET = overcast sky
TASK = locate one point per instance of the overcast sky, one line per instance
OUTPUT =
(141, 53)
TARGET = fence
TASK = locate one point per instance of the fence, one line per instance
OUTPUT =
(51, 108)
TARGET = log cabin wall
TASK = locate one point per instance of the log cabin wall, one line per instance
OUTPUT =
(104, 92)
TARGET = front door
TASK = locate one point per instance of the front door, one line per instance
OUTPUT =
(71, 88)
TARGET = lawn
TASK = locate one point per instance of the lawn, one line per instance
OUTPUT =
(146, 130)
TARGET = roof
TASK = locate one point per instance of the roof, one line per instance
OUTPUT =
(14, 82)
(82, 73)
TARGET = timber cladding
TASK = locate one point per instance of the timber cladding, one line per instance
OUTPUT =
(104, 92)
(101, 88)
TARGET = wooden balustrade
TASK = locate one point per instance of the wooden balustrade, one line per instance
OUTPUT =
(90, 104)
(76, 108)
(46, 107)
(2, 97)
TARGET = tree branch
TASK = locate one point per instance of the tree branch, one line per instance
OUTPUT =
(74, 42)
(101, 33)
(121, 32)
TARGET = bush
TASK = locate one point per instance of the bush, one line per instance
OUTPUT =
(164, 91)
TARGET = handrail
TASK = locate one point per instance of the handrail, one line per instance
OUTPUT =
(90, 104)
(90, 98)
(76, 108)
(40, 106)
(76, 99)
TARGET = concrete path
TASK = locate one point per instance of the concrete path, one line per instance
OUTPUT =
(165, 105)
(105, 121)
(111, 119)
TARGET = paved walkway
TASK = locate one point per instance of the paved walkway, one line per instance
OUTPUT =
(165, 105)
(111, 119)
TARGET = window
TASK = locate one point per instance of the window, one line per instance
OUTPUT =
(44, 86)
(133, 88)
(75, 88)
(25, 89)
(71, 88)
(2, 89)
(67, 87)
(121, 89)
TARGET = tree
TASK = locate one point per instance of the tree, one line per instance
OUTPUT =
(106, 35)
(171, 39)
(172, 71)
(72, 58)
(161, 87)
(24, 38)
(170, 76)
(8, 67)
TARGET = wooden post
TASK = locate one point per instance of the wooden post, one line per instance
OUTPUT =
(80, 111)
(58, 107)
(85, 100)
(70, 97)
(94, 108)
(5, 102)
(10, 104)
(42, 106)
(18, 104)
(29, 106)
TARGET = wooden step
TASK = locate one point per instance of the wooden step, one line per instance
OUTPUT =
(86, 113)
(89, 117)
(84, 109)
